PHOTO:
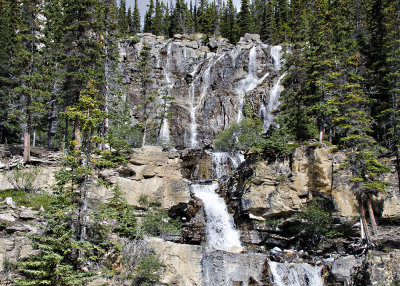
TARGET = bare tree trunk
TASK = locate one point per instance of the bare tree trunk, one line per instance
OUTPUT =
(107, 88)
(372, 217)
(144, 135)
(77, 135)
(84, 193)
(364, 222)
(66, 133)
(27, 133)
(321, 134)
(51, 114)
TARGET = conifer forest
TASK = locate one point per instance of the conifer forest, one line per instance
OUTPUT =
(67, 88)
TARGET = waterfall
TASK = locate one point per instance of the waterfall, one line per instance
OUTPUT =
(205, 85)
(273, 103)
(276, 55)
(164, 132)
(249, 82)
(220, 228)
(295, 274)
(223, 162)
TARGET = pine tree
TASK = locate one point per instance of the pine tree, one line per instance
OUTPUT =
(229, 27)
(178, 18)
(83, 59)
(90, 116)
(110, 53)
(148, 18)
(244, 18)
(32, 71)
(123, 21)
(158, 20)
(52, 53)
(166, 19)
(9, 23)
(136, 27)
(282, 19)
(146, 91)
(268, 23)
(392, 76)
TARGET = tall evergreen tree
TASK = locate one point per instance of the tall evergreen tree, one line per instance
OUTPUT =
(136, 26)
(268, 23)
(229, 27)
(148, 18)
(245, 21)
(392, 76)
(158, 20)
(123, 21)
(9, 23)
(32, 71)
(82, 54)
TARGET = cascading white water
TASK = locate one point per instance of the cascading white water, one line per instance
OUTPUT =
(223, 161)
(276, 55)
(249, 82)
(164, 132)
(273, 103)
(295, 274)
(220, 228)
(205, 84)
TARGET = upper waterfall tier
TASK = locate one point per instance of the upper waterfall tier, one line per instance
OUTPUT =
(206, 82)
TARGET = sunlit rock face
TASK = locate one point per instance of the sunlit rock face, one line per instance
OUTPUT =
(208, 80)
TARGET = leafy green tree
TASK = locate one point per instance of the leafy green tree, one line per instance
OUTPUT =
(245, 135)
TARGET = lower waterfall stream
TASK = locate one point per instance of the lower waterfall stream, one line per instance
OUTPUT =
(220, 228)
(223, 237)
(295, 274)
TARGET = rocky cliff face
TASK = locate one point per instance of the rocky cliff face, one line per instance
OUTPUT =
(208, 80)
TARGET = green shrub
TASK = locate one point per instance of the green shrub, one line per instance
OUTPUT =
(158, 223)
(118, 209)
(245, 135)
(316, 216)
(134, 41)
(34, 200)
(22, 178)
(148, 271)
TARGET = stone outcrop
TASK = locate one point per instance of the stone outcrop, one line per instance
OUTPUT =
(344, 268)
(15, 224)
(279, 187)
(150, 173)
(180, 260)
